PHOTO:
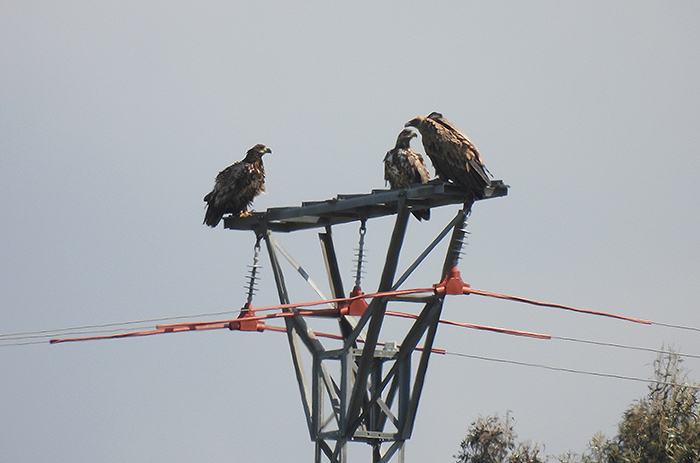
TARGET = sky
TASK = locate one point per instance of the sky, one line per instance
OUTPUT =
(116, 117)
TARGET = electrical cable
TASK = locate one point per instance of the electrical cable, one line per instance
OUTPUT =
(66, 333)
(621, 346)
(555, 306)
(476, 327)
(680, 327)
(22, 336)
(569, 370)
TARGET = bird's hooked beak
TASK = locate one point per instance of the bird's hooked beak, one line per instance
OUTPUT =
(413, 122)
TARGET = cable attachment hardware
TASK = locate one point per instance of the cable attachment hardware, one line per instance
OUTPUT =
(360, 255)
(247, 320)
(357, 305)
(452, 284)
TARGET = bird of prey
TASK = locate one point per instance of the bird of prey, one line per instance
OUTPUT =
(236, 186)
(453, 155)
(404, 167)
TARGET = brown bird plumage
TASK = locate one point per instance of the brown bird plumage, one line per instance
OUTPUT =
(453, 155)
(237, 186)
(404, 167)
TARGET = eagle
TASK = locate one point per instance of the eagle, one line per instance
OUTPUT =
(453, 155)
(404, 167)
(237, 186)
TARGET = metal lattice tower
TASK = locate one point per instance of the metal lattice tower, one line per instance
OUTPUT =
(371, 393)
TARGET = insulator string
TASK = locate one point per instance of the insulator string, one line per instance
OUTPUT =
(360, 255)
(253, 273)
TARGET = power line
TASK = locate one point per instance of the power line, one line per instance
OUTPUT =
(680, 327)
(458, 354)
(569, 370)
(62, 331)
(468, 290)
(23, 337)
(621, 346)
(49, 334)
(77, 329)
(22, 343)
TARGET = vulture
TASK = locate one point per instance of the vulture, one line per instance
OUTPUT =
(404, 167)
(236, 186)
(453, 155)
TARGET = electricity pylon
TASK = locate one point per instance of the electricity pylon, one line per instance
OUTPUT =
(370, 393)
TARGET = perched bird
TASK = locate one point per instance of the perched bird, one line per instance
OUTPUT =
(404, 167)
(453, 155)
(236, 186)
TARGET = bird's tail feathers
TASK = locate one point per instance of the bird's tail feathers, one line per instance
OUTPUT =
(213, 216)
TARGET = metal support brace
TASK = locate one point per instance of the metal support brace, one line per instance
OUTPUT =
(376, 310)
(295, 326)
(459, 218)
(334, 278)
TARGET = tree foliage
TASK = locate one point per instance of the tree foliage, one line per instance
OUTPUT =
(662, 427)
(492, 440)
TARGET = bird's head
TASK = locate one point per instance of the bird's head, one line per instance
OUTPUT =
(408, 133)
(415, 122)
(260, 149)
(404, 138)
(256, 152)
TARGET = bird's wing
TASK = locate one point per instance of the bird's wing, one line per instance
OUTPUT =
(419, 173)
(231, 180)
(452, 156)
(467, 156)
(453, 133)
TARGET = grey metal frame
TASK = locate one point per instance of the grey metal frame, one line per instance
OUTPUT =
(364, 394)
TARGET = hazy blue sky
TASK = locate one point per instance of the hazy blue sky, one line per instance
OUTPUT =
(116, 117)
